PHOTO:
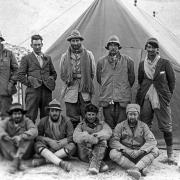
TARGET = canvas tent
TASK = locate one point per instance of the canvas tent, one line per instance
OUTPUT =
(106, 17)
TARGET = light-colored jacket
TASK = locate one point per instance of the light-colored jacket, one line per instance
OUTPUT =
(83, 133)
(70, 93)
(26, 128)
(115, 82)
(142, 138)
(8, 70)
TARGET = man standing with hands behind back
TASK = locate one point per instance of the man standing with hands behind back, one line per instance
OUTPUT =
(38, 74)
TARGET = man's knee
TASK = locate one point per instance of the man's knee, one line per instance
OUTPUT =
(71, 148)
(115, 155)
(155, 152)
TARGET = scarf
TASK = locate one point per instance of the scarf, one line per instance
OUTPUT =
(54, 128)
(86, 82)
(149, 68)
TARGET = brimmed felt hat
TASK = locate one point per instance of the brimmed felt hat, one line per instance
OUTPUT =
(1, 37)
(54, 104)
(152, 41)
(113, 39)
(16, 107)
(75, 34)
(133, 108)
(91, 108)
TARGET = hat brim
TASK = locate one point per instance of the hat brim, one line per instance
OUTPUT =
(11, 111)
(107, 46)
(53, 108)
(78, 37)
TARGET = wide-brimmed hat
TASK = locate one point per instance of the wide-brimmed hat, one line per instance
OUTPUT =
(16, 107)
(1, 37)
(54, 104)
(75, 34)
(113, 39)
(133, 108)
(152, 41)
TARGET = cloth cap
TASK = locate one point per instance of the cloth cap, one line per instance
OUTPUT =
(153, 41)
(113, 39)
(91, 108)
(1, 37)
(54, 104)
(16, 107)
(133, 108)
(75, 34)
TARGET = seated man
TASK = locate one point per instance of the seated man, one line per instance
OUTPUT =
(55, 138)
(91, 136)
(17, 133)
(133, 144)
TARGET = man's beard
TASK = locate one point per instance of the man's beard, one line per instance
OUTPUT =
(132, 122)
(113, 52)
(18, 120)
(54, 118)
(76, 47)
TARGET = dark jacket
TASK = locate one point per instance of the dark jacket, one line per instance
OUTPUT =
(32, 75)
(65, 129)
(164, 82)
(8, 72)
(26, 129)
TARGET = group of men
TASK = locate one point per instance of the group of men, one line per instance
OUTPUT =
(125, 131)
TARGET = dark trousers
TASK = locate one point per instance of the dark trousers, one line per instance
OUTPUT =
(35, 99)
(163, 116)
(5, 103)
(76, 110)
(25, 149)
(114, 114)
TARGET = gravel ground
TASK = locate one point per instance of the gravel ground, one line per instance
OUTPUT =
(79, 171)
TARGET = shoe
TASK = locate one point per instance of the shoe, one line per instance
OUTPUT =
(38, 162)
(15, 165)
(65, 165)
(144, 171)
(93, 170)
(104, 167)
(134, 172)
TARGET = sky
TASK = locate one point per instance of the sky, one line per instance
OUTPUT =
(19, 19)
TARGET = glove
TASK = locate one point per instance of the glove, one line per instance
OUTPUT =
(17, 140)
(91, 139)
(6, 138)
(11, 88)
(53, 144)
(62, 142)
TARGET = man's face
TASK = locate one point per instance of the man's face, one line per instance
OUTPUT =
(54, 114)
(152, 51)
(91, 116)
(37, 46)
(75, 44)
(132, 117)
(17, 116)
(113, 48)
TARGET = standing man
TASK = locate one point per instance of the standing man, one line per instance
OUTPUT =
(38, 74)
(91, 137)
(133, 144)
(8, 70)
(17, 134)
(115, 75)
(55, 138)
(77, 68)
(157, 82)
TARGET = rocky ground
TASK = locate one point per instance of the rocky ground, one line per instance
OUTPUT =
(158, 171)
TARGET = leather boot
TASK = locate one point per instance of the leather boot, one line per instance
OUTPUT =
(15, 165)
(170, 159)
(97, 157)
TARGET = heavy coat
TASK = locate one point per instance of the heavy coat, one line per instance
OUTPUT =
(32, 75)
(164, 82)
(141, 139)
(26, 129)
(8, 70)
